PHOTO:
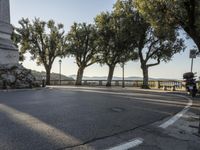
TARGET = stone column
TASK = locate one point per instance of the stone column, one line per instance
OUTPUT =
(9, 54)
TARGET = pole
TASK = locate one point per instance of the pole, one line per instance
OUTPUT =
(199, 125)
(192, 64)
(123, 75)
(60, 70)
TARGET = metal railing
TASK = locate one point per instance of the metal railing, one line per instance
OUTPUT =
(161, 84)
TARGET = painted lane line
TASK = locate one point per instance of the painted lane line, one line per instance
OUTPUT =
(173, 119)
(128, 145)
(178, 115)
(165, 124)
(114, 93)
(154, 100)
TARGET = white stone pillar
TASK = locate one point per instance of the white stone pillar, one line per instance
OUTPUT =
(9, 54)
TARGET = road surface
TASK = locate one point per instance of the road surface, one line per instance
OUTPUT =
(82, 118)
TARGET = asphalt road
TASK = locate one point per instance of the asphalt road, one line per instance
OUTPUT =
(65, 118)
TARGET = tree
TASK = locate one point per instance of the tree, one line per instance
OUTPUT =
(171, 14)
(115, 41)
(43, 40)
(152, 47)
(156, 49)
(82, 44)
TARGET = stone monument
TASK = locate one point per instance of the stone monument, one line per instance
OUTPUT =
(12, 74)
(8, 52)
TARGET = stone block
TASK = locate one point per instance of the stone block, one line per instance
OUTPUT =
(16, 76)
(8, 57)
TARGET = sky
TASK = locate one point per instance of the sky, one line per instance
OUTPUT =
(70, 11)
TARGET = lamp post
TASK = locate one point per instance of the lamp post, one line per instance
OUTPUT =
(122, 65)
(60, 61)
(123, 85)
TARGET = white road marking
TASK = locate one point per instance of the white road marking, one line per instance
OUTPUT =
(178, 115)
(154, 100)
(165, 124)
(128, 145)
(110, 92)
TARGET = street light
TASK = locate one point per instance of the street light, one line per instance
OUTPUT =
(123, 85)
(60, 61)
(122, 65)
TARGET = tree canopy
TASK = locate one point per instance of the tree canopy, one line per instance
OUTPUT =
(82, 45)
(15, 37)
(165, 15)
(156, 49)
(117, 35)
(115, 41)
(152, 46)
(43, 40)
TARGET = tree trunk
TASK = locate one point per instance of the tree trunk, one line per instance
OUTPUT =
(48, 75)
(197, 42)
(196, 39)
(145, 84)
(198, 46)
(194, 36)
(79, 76)
(110, 75)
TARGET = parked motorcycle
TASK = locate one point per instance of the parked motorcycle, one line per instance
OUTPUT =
(190, 83)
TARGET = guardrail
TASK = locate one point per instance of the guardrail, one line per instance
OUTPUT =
(165, 84)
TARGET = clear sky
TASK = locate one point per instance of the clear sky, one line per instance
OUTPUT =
(69, 11)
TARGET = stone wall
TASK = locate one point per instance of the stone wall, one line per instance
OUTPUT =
(16, 76)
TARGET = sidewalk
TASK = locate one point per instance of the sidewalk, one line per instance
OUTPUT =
(179, 136)
(186, 128)
(182, 135)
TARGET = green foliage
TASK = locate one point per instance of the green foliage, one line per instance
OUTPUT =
(82, 44)
(167, 15)
(156, 49)
(160, 49)
(15, 37)
(43, 40)
(116, 42)
(153, 45)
